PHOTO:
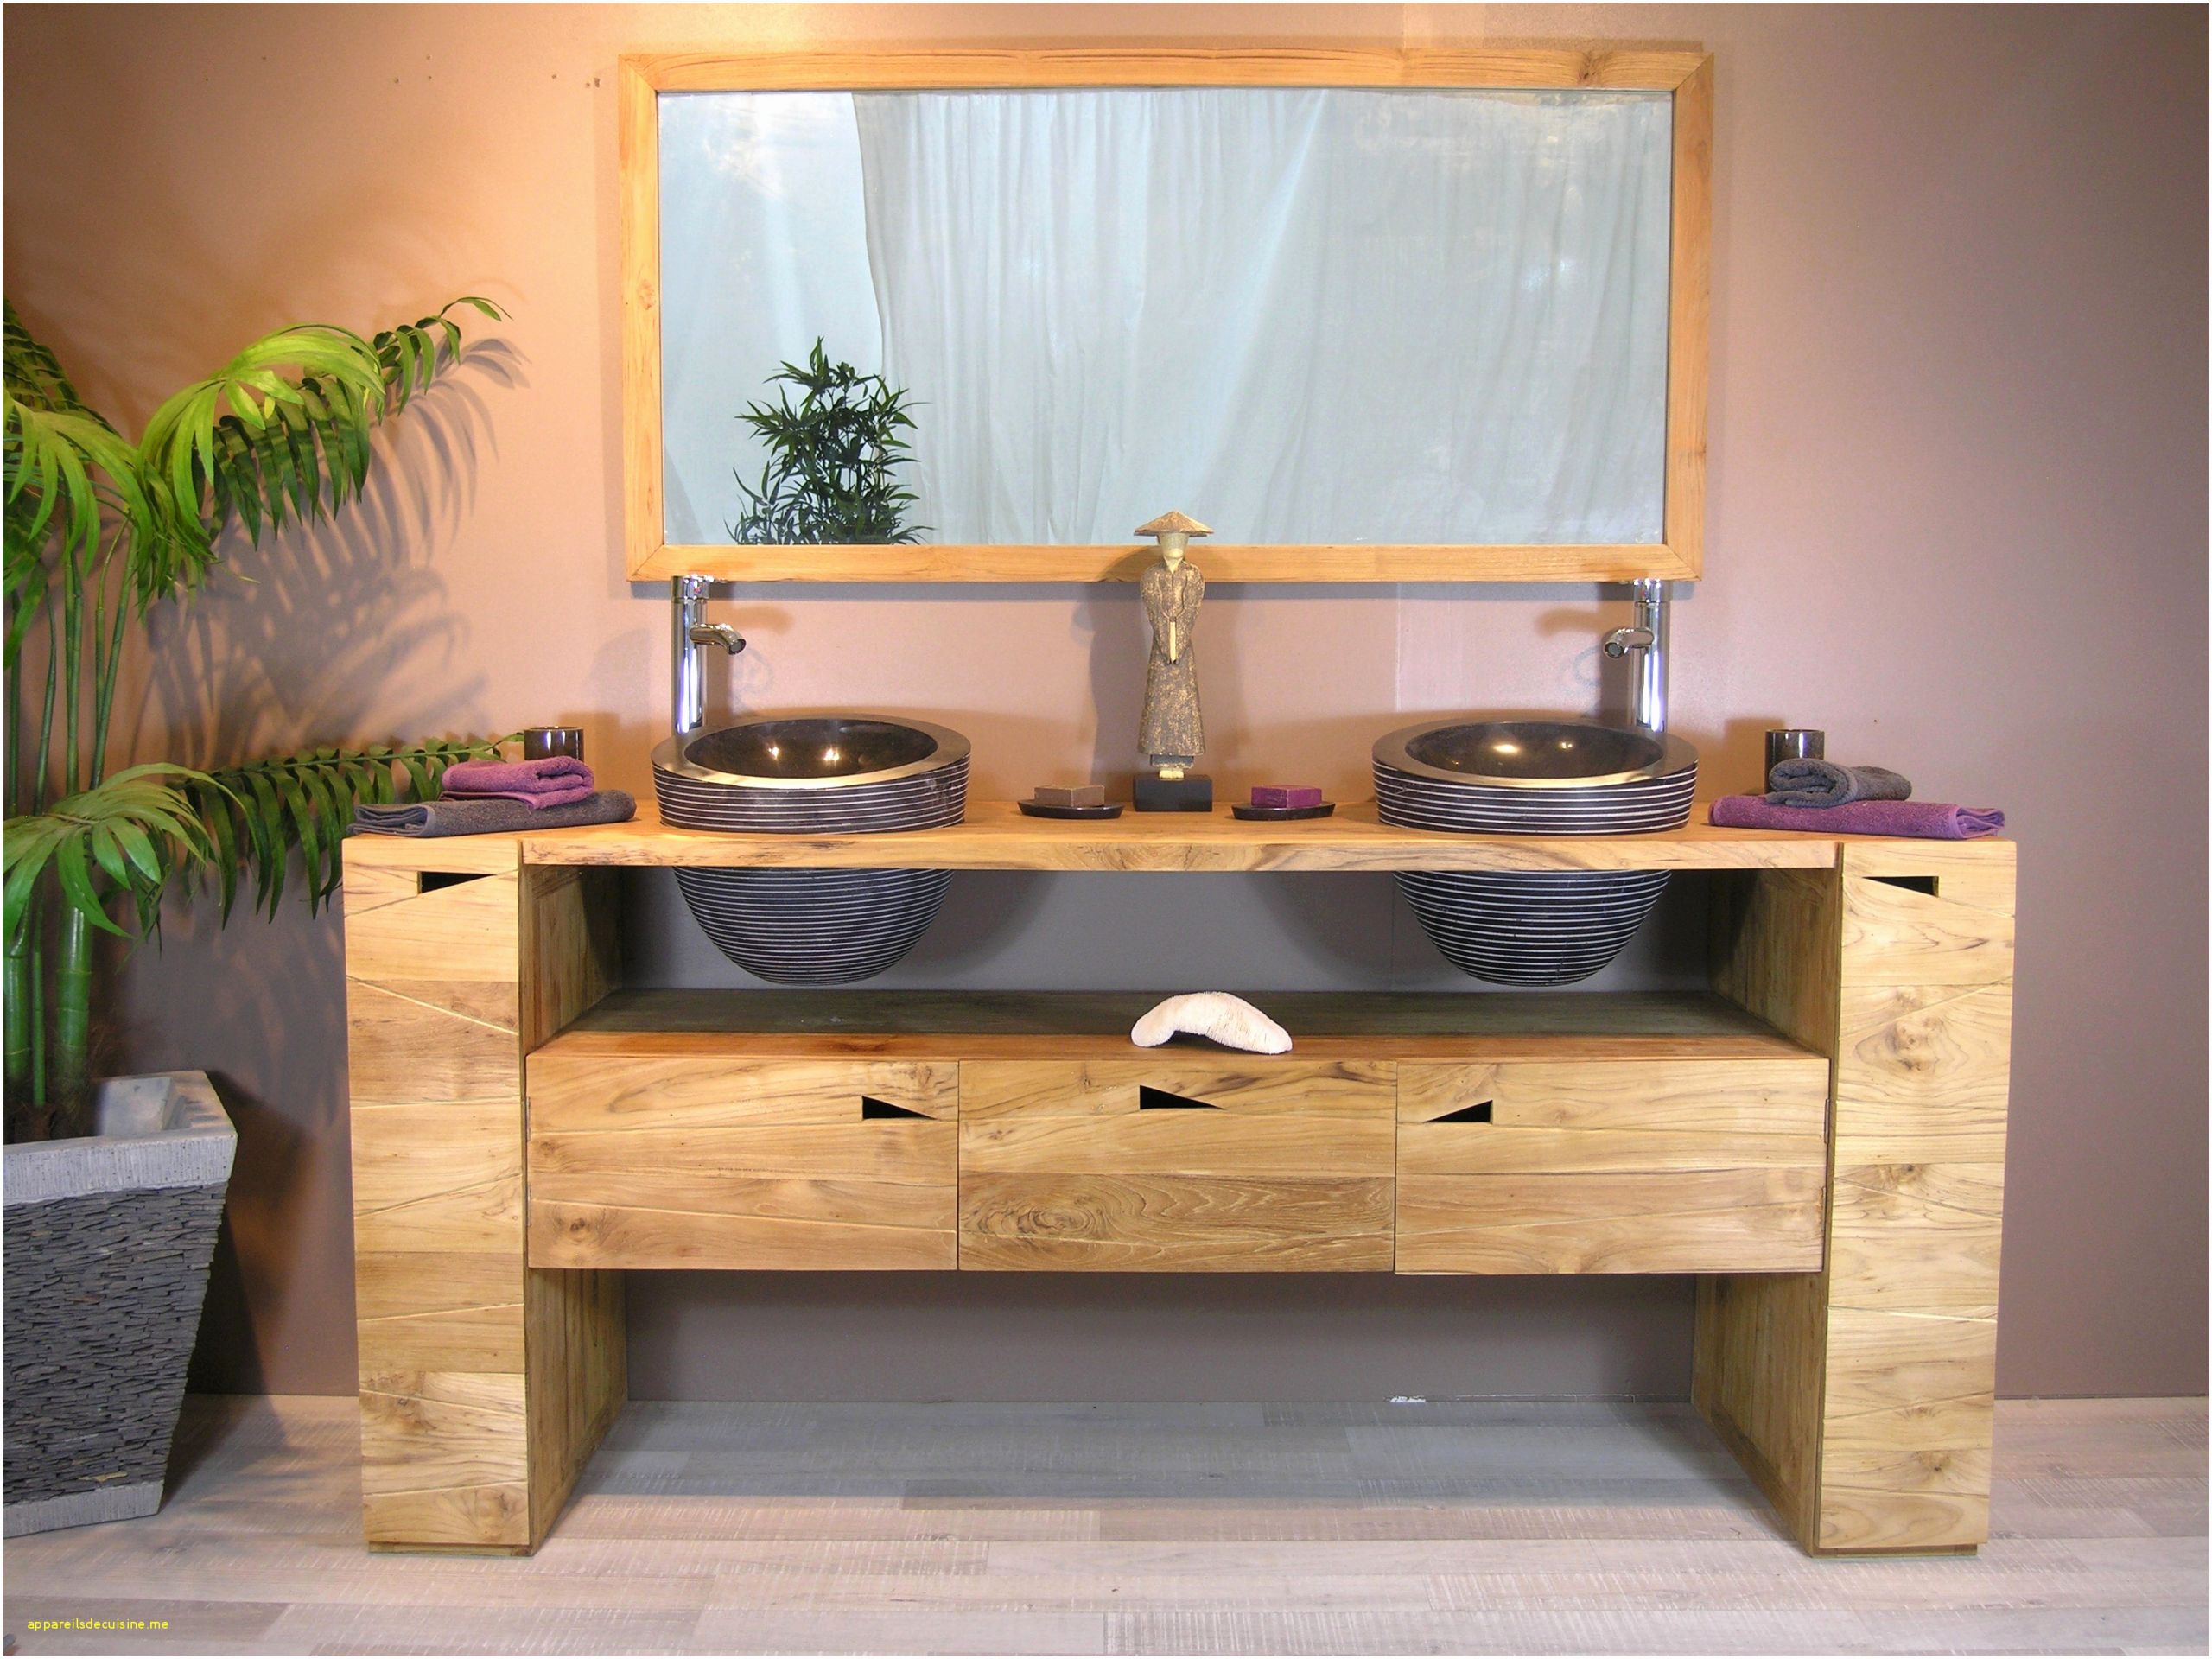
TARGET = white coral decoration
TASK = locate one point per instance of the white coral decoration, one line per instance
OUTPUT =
(1230, 1020)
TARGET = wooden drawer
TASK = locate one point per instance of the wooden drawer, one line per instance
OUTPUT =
(1166, 1165)
(1611, 1166)
(711, 1162)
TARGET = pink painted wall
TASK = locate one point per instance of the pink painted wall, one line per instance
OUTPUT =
(1958, 517)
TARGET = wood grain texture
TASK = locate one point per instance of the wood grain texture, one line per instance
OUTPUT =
(1759, 1353)
(1687, 74)
(1287, 1164)
(571, 947)
(1862, 1395)
(446, 854)
(613, 1087)
(706, 1161)
(1611, 1166)
(1925, 1015)
(1231, 562)
(1753, 1219)
(1719, 1098)
(1621, 68)
(1085, 1222)
(996, 836)
(916, 1026)
(1688, 318)
(483, 1385)
(638, 174)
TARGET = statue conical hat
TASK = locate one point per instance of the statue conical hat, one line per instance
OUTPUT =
(1173, 521)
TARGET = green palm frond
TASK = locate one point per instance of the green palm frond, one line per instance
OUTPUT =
(255, 815)
(31, 373)
(282, 432)
(135, 828)
(67, 470)
(409, 354)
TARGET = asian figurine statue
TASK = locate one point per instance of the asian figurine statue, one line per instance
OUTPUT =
(1172, 735)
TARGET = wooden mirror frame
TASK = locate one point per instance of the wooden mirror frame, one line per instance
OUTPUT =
(1685, 74)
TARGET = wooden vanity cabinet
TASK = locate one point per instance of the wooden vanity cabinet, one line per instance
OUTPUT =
(1821, 1138)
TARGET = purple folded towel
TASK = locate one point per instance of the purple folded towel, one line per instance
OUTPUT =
(556, 780)
(1924, 820)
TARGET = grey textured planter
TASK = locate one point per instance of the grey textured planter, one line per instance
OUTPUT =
(108, 1238)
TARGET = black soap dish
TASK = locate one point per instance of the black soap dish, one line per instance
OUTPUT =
(1280, 814)
(1040, 810)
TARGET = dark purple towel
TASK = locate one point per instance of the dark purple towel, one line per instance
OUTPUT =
(1923, 820)
(556, 780)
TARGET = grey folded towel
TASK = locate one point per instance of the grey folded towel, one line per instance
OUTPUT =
(490, 815)
(1823, 782)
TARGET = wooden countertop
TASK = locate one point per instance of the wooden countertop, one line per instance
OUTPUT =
(996, 836)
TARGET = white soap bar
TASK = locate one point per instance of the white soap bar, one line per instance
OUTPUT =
(1230, 1020)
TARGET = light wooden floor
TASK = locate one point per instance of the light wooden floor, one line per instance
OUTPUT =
(1498, 1526)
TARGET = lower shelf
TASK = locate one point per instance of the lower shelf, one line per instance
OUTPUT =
(1456, 1134)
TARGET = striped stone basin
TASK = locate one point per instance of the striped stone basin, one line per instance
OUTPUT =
(1532, 777)
(816, 774)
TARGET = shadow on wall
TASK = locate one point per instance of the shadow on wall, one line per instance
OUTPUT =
(297, 643)
(331, 617)
(1153, 1337)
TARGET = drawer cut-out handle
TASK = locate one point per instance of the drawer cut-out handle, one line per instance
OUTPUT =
(1150, 1099)
(1928, 884)
(871, 1107)
(1478, 1113)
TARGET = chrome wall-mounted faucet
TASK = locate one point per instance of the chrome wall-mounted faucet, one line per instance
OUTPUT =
(1647, 637)
(688, 595)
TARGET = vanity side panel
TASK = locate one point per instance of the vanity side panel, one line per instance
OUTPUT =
(1923, 1073)
(573, 1328)
(435, 1067)
(1761, 1346)
(484, 1384)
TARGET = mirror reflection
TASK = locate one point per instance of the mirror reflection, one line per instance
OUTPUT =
(1308, 315)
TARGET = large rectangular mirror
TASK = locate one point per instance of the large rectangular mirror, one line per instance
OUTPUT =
(1368, 332)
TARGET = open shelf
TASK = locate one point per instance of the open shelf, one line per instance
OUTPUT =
(1095, 1025)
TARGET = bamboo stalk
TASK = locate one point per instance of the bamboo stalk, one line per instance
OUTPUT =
(45, 715)
(67, 1097)
(72, 645)
(103, 682)
(33, 925)
(18, 995)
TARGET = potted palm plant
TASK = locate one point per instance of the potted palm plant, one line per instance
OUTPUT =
(114, 1188)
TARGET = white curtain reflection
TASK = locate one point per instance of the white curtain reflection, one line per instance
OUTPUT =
(1302, 315)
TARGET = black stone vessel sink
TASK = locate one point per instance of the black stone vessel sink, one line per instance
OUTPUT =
(1532, 777)
(1533, 754)
(813, 752)
(831, 774)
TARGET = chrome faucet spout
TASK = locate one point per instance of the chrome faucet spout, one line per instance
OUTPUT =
(1647, 637)
(688, 596)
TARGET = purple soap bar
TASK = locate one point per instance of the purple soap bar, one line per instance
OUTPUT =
(1286, 795)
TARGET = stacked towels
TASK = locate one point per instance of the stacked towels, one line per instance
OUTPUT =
(482, 798)
(556, 781)
(1823, 797)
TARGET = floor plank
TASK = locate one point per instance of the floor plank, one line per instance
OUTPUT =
(1447, 1527)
